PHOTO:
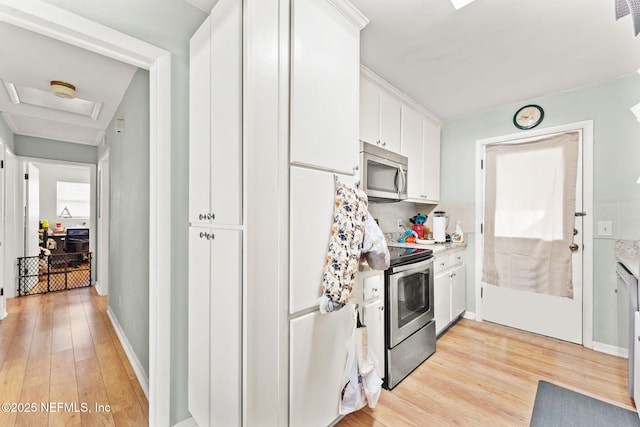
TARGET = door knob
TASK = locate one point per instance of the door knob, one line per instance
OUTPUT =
(573, 247)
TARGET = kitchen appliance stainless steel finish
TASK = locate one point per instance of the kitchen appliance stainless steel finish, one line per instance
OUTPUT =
(628, 284)
(410, 336)
(384, 173)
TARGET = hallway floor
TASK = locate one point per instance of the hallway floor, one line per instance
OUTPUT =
(61, 363)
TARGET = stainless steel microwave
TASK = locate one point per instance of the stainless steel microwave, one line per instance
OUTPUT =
(383, 173)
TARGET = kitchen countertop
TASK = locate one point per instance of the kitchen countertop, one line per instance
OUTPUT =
(628, 253)
(435, 247)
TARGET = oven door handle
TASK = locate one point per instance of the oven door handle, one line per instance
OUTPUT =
(417, 266)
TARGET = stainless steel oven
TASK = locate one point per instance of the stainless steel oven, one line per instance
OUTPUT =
(409, 323)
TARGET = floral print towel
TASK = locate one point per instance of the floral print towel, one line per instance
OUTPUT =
(349, 215)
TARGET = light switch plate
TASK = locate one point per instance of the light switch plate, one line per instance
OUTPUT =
(605, 228)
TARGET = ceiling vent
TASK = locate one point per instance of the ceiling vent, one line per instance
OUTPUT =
(61, 98)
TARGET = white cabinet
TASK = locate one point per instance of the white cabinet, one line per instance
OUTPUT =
(215, 200)
(324, 86)
(312, 198)
(431, 160)
(421, 144)
(215, 122)
(442, 303)
(380, 116)
(317, 357)
(394, 121)
(636, 360)
(369, 293)
(449, 287)
(215, 326)
(458, 291)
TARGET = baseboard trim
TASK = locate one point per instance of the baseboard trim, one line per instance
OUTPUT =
(469, 315)
(131, 355)
(189, 422)
(611, 349)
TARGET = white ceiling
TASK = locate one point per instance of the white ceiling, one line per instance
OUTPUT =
(31, 59)
(493, 53)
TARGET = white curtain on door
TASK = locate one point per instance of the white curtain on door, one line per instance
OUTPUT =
(530, 196)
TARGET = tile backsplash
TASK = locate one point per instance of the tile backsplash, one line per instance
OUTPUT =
(388, 215)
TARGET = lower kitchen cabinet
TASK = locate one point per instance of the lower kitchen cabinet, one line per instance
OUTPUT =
(636, 360)
(442, 303)
(369, 293)
(215, 326)
(449, 288)
(316, 362)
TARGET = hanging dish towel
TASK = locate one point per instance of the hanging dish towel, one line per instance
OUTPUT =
(349, 215)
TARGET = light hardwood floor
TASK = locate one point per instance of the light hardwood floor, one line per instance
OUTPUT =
(61, 348)
(484, 374)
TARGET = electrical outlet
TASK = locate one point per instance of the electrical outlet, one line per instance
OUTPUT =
(399, 226)
(605, 228)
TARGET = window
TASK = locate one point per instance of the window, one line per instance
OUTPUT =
(73, 199)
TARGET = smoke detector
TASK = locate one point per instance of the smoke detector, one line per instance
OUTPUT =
(63, 89)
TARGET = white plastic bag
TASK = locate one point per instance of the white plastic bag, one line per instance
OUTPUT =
(374, 245)
(352, 397)
(372, 383)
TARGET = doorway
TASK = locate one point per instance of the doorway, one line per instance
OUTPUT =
(61, 25)
(533, 232)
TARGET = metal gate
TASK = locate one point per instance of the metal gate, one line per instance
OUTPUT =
(49, 273)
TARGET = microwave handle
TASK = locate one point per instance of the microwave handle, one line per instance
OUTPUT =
(403, 185)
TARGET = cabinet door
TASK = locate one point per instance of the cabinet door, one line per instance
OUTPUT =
(458, 291)
(431, 175)
(412, 143)
(390, 116)
(215, 326)
(324, 89)
(373, 314)
(317, 357)
(312, 196)
(226, 112)
(215, 118)
(369, 112)
(199, 119)
(442, 301)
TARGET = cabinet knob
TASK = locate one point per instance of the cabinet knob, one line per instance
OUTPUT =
(374, 289)
(384, 144)
(211, 216)
(208, 236)
(381, 308)
(201, 217)
(378, 142)
(442, 264)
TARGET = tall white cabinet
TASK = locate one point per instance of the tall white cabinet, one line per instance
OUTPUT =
(325, 40)
(215, 218)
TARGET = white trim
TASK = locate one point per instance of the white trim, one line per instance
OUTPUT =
(43, 18)
(189, 422)
(587, 201)
(366, 73)
(350, 12)
(611, 349)
(102, 223)
(470, 315)
(131, 354)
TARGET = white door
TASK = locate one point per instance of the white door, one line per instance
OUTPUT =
(14, 240)
(32, 211)
(532, 250)
(103, 224)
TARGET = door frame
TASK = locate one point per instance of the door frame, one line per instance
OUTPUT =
(102, 223)
(59, 24)
(587, 199)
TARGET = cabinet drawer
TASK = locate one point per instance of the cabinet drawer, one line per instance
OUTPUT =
(456, 258)
(440, 263)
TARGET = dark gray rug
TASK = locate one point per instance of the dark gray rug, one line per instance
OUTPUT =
(558, 407)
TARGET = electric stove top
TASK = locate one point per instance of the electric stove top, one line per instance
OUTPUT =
(400, 255)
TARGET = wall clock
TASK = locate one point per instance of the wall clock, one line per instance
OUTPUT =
(528, 116)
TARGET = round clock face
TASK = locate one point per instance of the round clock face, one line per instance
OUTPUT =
(528, 117)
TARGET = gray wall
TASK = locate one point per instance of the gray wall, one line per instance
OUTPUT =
(616, 169)
(129, 216)
(168, 24)
(5, 134)
(41, 148)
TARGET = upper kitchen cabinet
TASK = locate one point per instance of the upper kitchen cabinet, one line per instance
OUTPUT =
(325, 65)
(392, 120)
(421, 144)
(215, 123)
(380, 115)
